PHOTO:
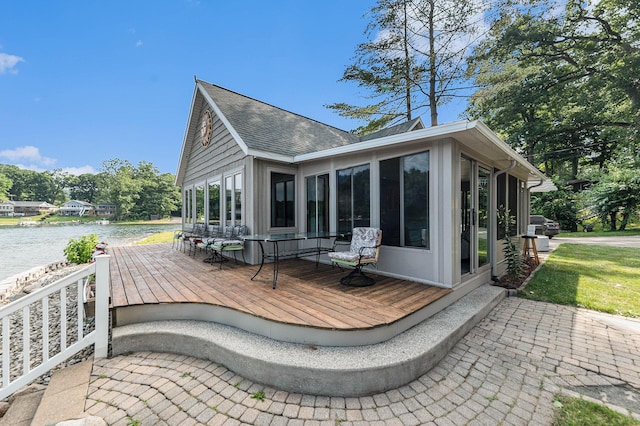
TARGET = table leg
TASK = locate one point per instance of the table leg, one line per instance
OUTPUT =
(261, 261)
(275, 264)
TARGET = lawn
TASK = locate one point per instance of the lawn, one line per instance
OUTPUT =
(602, 278)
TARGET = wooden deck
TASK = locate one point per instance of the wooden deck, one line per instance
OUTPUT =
(157, 274)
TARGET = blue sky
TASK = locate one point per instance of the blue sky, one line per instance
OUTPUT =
(86, 81)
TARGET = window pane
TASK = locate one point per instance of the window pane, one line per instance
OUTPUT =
(501, 198)
(214, 203)
(390, 201)
(282, 200)
(513, 204)
(323, 203)
(416, 200)
(318, 203)
(228, 194)
(484, 190)
(188, 203)
(311, 204)
(344, 200)
(200, 204)
(237, 188)
(361, 196)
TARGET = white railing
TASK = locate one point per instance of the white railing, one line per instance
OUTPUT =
(47, 327)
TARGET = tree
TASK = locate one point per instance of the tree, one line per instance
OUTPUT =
(412, 61)
(561, 87)
(84, 187)
(120, 186)
(5, 186)
(158, 195)
(616, 197)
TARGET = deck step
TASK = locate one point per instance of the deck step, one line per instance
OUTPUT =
(320, 370)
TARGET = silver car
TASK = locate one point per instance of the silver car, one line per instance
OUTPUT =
(545, 226)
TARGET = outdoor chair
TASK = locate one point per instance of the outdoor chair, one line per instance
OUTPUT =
(231, 241)
(364, 250)
(194, 237)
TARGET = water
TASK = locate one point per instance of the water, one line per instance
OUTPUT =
(23, 248)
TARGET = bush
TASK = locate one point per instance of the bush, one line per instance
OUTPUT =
(79, 251)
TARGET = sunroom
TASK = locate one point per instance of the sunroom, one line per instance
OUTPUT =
(434, 192)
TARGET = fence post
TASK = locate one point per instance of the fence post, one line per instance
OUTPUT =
(103, 281)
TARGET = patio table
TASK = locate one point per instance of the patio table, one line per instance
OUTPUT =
(276, 254)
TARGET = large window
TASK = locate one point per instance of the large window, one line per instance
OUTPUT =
(237, 198)
(214, 203)
(507, 197)
(283, 205)
(200, 204)
(354, 202)
(188, 205)
(233, 199)
(318, 203)
(404, 200)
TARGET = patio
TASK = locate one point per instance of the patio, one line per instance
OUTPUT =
(156, 282)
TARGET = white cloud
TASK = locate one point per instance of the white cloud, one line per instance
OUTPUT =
(138, 43)
(8, 63)
(29, 158)
(79, 170)
(29, 153)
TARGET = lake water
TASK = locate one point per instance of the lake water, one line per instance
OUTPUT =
(23, 248)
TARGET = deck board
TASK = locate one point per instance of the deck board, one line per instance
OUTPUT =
(306, 295)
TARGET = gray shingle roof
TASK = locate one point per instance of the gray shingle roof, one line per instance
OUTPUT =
(264, 127)
(268, 128)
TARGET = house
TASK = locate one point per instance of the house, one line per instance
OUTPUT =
(25, 208)
(105, 209)
(434, 191)
(77, 208)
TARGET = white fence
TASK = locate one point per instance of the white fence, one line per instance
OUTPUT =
(47, 327)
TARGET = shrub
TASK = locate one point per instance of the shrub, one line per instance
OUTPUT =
(516, 268)
(79, 251)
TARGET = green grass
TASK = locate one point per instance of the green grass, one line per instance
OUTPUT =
(602, 278)
(160, 237)
(632, 229)
(578, 412)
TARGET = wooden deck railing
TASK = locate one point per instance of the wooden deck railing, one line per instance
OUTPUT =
(47, 327)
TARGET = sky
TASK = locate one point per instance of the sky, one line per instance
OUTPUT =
(82, 82)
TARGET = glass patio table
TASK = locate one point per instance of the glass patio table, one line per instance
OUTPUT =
(277, 240)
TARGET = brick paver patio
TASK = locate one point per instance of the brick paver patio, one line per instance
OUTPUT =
(506, 370)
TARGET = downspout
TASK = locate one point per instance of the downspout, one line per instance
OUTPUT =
(494, 220)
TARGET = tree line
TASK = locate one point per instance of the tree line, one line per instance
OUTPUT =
(136, 191)
(558, 81)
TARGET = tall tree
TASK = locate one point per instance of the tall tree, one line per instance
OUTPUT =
(560, 84)
(84, 187)
(413, 60)
(120, 186)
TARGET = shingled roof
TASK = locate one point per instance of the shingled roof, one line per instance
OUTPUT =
(267, 128)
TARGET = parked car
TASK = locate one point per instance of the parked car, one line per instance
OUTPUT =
(545, 226)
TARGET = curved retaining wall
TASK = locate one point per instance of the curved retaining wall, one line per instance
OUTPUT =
(318, 370)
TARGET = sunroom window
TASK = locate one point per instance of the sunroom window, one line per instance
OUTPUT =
(404, 201)
(317, 203)
(283, 200)
(354, 203)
